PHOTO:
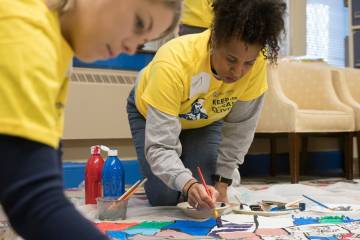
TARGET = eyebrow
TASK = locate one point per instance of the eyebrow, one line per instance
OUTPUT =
(232, 56)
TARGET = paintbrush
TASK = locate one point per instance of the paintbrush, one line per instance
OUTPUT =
(128, 193)
(216, 214)
(132, 190)
(293, 202)
(284, 206)
(317, 202)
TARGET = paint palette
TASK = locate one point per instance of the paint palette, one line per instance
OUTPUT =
(257, 211)
(202, 213)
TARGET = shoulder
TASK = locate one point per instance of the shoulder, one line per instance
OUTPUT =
(20, 17)
(260, 62)
(184, 51)
(29, 9)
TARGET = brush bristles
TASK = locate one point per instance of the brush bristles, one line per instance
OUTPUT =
(216, 214)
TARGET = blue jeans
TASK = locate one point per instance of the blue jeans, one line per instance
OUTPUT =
(199, 148)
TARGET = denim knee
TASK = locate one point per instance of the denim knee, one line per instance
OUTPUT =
(163, 198)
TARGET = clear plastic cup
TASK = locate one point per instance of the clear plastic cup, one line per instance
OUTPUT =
(111, 208)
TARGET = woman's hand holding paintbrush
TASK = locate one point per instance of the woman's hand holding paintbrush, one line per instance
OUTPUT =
(198, 197)
(216, 214)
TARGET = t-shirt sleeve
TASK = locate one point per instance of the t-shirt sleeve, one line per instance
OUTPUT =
(165, 88)
(258, 81)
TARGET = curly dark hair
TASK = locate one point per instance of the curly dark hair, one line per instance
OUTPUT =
(252, 21)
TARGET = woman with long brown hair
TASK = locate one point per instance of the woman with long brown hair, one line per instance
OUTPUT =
(37, 42)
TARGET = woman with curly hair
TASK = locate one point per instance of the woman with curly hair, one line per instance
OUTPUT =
(38, 39)
(198, 102)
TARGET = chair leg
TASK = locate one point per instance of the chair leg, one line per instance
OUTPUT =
(273, 153)
(294, 156)
(304, 154)
(348, 155)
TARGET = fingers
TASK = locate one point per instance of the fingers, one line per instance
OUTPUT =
(195, 198)
(199, 198)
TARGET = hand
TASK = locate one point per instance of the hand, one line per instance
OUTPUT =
(222, 190)
(198, 197)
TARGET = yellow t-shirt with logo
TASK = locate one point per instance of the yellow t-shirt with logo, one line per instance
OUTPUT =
(34, 64)
(179, 82)
(198, 13)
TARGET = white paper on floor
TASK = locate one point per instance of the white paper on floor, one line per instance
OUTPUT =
(343, 193)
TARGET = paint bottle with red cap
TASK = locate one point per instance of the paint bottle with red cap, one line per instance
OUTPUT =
(93, 176)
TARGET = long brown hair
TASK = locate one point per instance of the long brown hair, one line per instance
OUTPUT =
(174, 5)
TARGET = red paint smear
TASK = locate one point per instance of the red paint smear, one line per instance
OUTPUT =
(346, 236)
(111, 226)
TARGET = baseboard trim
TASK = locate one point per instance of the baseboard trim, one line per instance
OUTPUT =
(327, 163)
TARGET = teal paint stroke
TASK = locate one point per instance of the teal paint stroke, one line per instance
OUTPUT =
(147, 228)
(142, 231)
(118, 235)
(152, 224)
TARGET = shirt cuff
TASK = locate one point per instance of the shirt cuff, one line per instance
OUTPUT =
(225, 171)
(181, 180)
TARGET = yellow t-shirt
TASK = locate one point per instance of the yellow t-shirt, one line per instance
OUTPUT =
(34, 64)
(198, 13)
(179, 82)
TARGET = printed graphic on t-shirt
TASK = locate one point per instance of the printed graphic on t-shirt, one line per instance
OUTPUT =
(197, 111)
(223, 104)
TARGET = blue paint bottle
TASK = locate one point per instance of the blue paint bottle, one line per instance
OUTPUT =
(113, 177)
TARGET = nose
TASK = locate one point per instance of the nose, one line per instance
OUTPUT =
(130, 50)
(130, 46)
(238, 70)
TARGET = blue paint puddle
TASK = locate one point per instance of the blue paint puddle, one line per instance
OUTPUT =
(193, 228)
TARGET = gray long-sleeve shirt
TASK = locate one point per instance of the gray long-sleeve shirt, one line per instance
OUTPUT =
(163, 147)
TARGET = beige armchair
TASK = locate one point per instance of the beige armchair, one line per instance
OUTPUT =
(347, 86)
(301, 101)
